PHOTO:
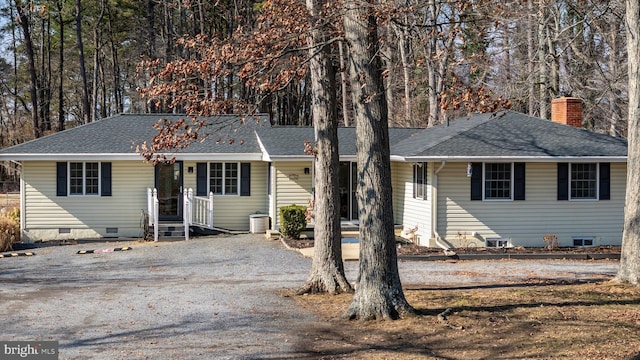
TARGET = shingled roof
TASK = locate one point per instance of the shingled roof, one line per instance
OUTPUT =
(115, 138)
(288, 142)
(508, 135)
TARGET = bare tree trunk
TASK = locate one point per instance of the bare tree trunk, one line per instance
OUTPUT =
(104, 108)
(201, 16)
(86, 110)
(97, 48)
(437, 59)
(31, 62)
(344, 82)
(117, 89)
(389, 80)
(542, 67)
(531, 58)
(151, 32)
(14, 50)
(432, 75)
(44, 96)
(327, 271)
(61, 118)
(379, 292)
(615, 124)
(552, 41)
(406, 73)
(630, 257)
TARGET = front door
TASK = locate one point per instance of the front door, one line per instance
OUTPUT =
(169, 185)
(348, 182)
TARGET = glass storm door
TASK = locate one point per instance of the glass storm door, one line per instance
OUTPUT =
(347, 181)
(169, 185)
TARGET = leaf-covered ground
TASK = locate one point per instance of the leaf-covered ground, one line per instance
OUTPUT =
(537, 319)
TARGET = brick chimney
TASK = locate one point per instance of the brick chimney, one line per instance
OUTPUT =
(567, 110)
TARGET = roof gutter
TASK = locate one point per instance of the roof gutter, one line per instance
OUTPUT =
(124, 156)
(548, 159)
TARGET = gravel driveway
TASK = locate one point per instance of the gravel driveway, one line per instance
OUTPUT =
(214, 297)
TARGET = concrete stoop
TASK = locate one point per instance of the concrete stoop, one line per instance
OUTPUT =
(170, 232)
(272, 235)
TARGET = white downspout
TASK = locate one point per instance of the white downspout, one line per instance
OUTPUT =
(23, 210)
(273, 208)
(23, 205)
(434, 211)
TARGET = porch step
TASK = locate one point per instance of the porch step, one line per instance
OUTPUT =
(170, 231)
(350, 233)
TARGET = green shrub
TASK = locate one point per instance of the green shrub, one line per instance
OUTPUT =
(9, 228)
(292, 220)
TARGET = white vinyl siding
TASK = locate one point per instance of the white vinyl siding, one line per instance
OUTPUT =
(232, 212)
(86, 217)
(526, 222)
(411, 212)
(292, 186)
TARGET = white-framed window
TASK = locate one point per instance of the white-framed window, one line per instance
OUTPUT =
(224, 178)
(496, 242)
(420, 181)
(84, 178)
(583, 180)
(498, 181)
(583, 241)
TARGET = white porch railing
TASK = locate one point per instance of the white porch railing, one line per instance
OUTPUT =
(196, 210)
(201, 209)
(153, 210)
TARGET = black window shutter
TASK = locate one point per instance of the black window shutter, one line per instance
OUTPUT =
(605, 181)
(201, 179)
(518, 181)
(476, 181)
(61, 179)
(245, 179)
(105, 183)
(563, 181)
(269, 179)
(415, 182)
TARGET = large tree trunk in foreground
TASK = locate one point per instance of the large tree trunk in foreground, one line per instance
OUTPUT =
(327, 271)
(630, 257)
(378, 289)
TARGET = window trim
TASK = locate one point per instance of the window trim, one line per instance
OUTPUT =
(84, 178)
(417, 169)
(570, 185)
(224, 178)
(511, 182)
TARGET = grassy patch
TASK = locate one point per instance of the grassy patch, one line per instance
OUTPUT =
(504, 321)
